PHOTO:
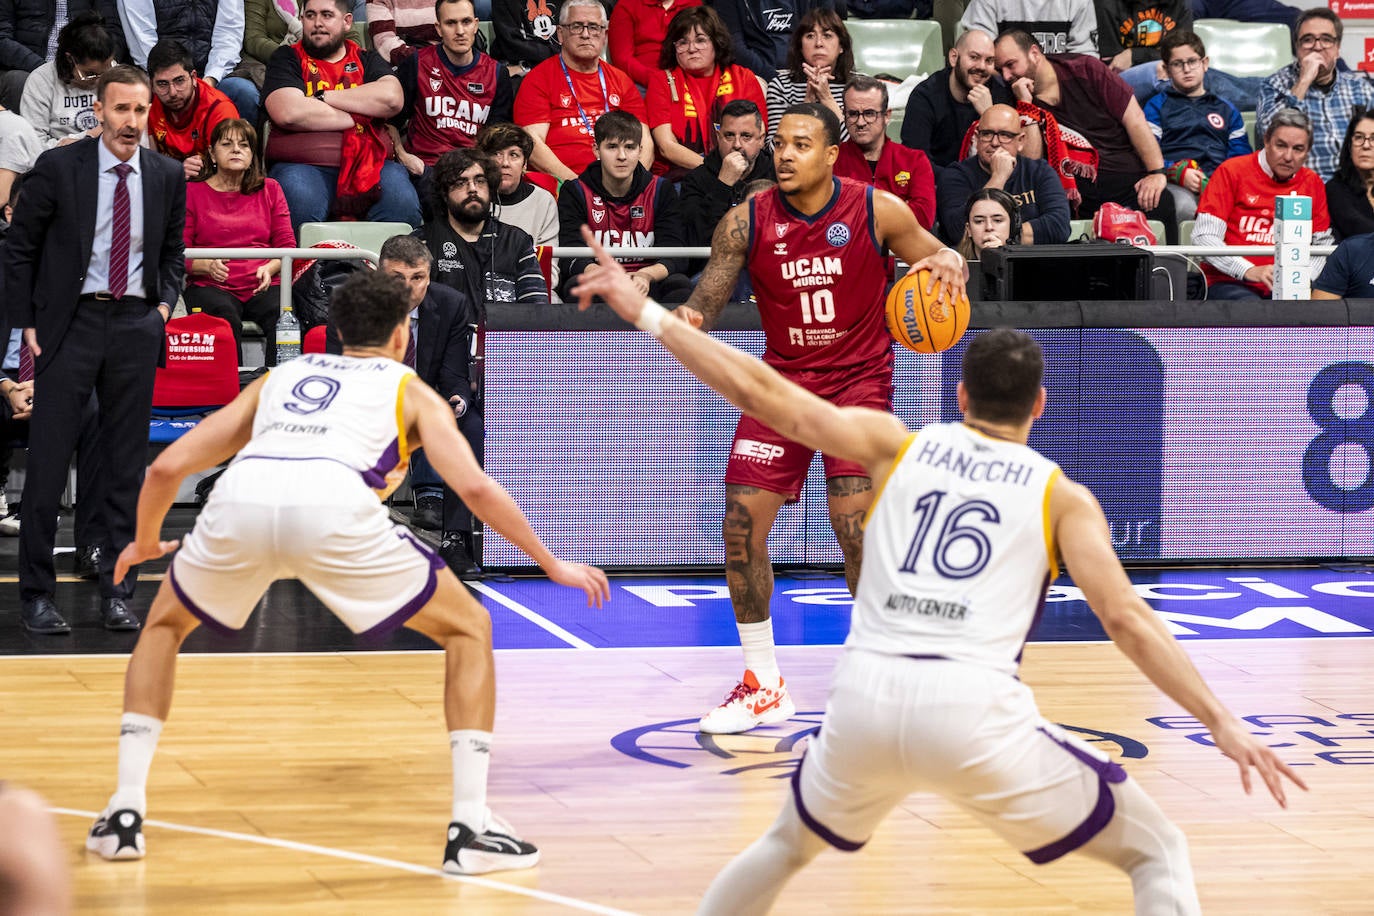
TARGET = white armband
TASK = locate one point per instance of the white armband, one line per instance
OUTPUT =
(651, 318)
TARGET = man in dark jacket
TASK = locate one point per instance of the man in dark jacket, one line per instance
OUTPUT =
(940, 109)
(712, 188)
(28, 38)
(624, 205)
(524, 32)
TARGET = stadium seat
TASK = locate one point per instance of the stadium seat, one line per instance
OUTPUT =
(1080, 229)
(948, 13)
(1249, 117)
(1245, 48)
(368, 236)
(900, 47)
(1157, 227)
(1185, 231)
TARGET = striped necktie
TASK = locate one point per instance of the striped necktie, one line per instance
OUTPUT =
(119, 234)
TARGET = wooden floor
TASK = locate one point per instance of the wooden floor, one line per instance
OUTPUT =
(321, 783)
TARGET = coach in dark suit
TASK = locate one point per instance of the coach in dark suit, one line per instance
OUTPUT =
(92, 268)
(442, 326)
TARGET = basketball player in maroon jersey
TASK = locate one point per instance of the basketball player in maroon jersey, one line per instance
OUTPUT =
(815, 248)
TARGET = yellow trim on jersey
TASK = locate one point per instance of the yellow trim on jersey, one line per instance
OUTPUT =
(402, 445)
(1049, 526)
(890, 471)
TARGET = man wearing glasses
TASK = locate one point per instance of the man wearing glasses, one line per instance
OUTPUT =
(999, 164)
(185, 107)
(561, 99)
(870, 157)
(1314, 84)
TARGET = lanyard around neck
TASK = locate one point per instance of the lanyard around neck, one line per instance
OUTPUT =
(582, 112)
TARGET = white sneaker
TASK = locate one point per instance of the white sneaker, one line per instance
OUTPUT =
(496, 848)
(748, 706)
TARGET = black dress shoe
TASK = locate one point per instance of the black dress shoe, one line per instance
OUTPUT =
(454, 551)
(88, 562)
(40, 615)
(118, 616)
(429, 513)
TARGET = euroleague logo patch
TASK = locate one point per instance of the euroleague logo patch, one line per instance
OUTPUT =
(837, 234)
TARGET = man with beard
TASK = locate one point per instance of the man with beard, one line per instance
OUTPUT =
(185, 107)
(940, 109)
(328, 100)
(868, 156)
(719, 183)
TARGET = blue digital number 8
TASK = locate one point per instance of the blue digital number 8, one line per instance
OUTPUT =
(312, 393)
(1337, 431)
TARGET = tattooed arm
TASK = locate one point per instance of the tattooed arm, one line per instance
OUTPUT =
(729, 247)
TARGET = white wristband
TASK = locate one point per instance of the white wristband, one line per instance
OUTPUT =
(954, 252)
(651, 318)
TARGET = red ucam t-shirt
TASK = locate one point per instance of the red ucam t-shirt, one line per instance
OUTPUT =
(691, 105)
(571, 102)
(189, 135)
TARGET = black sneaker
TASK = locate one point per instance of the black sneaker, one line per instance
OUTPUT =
(429, 513)
(495, 849)
(453, 550)
(117, 835)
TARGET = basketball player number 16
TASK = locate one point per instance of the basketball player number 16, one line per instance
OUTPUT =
(822, 303)
(959, 535)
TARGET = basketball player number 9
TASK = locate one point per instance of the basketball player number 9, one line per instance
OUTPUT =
(313, 393)
(954, 535)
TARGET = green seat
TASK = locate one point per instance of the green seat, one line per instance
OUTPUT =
(1185, 231)
(368, 236)
(487, 32)
(1245, 48)
(894, 127)
(1157, 227)
(1248, 117)
(900, 47)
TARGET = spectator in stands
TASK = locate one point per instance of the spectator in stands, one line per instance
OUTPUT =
(698, 79)
(625, 205)
(19, 148)
(1042, 205)
(1349, 272)
(1196, 129)
(561, 99)
(941, 107)
(638, 29)
(28, 38)
(1314, 83)
(720, 182)
(1237, 208)
(451, 90)
(212, 30)
(869, 156)
(524, 33)
(1058, 26)
(59, 97)
(1350, 191)
(763, 30)
(1084, 95)
(328, 99)
(991, 219)
(272, 24)
(234, 205)
(185, 107)
(487, 259)
(399, 28)
(522, 203)
(1129, 33)
(819, 64)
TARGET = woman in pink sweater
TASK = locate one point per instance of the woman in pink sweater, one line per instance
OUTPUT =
(234, 205)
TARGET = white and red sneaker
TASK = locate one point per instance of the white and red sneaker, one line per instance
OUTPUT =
(748, 706)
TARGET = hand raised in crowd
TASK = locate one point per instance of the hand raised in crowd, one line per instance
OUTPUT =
(980, 97)
(1309, 65)
(191, 166)
(817, 82)
(21, 400)
(1003, 163)
(733, 167)
(1024, 89)
(1148, 190)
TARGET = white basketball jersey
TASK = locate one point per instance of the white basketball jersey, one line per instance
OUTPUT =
(341, 408)
(958, 550)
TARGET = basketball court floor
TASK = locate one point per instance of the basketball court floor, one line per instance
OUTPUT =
(302, 772)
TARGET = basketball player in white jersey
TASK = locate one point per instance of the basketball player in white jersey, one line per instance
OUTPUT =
(960, 544)
(317, 440)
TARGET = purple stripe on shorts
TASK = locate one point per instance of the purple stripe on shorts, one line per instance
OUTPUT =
(411, 607)
(191, 606)
(814, 825)
(375, 476)
(1107, 773)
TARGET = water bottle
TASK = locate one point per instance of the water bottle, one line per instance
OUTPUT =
(288, 336)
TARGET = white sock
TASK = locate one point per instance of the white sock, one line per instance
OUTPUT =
(471, 758)
(138, 736)
(757, 641)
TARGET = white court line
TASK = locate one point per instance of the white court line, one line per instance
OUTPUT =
(531, 616)
(570, 902)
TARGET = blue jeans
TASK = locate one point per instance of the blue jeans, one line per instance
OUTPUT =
(1241, 91)
(244, 95)
(309, 191)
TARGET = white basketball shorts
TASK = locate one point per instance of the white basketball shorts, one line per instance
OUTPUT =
(314, 520)
(895, 725)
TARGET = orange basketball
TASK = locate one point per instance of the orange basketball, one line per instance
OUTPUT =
(918, 322)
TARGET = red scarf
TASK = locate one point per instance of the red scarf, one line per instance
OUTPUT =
(363, 151)
(1068, 151)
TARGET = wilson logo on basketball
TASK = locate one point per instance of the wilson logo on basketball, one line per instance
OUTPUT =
(913, 327)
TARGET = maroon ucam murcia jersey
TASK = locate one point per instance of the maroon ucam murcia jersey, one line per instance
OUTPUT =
(449, 109)
(625, 222)
(820, 281)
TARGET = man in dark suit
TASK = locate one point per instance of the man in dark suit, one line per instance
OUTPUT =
(442, 326)
(93, 265)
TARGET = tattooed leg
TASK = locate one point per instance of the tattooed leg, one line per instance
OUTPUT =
(749, 516)
(849, 499)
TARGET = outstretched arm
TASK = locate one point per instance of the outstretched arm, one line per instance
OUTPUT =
(1080, 530)
(729, 246)
(869, 437)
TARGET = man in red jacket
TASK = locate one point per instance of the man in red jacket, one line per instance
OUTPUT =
(185, 108)
(869, 156)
